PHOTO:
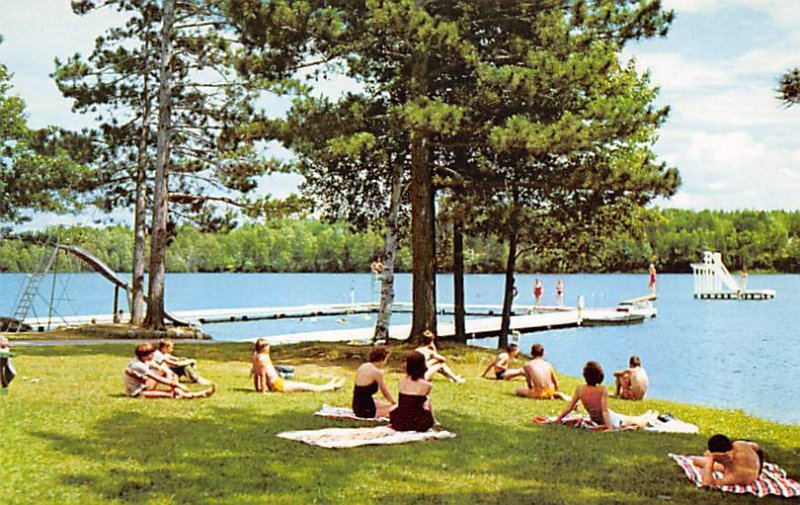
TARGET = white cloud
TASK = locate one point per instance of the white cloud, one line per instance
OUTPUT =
(735, 170)
(785, 12)
(676, 72)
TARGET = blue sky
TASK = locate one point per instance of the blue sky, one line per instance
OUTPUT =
(736, 146)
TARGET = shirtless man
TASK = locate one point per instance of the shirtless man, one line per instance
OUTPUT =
(740, 462)
(541, 378)
(500, 364)
(632, 382)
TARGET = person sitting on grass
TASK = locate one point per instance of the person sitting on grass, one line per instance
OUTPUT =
(434, 361)
(413, 412)
(142, 379)
(501, 362)
(369, 379)
(739, 462)
(632, 382)
(541, 378)
(594, 397)
(266, 378)
(180, 367)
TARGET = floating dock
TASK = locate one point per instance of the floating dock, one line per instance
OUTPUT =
(713, 281)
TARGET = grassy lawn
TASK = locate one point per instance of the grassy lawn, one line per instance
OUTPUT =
(69, 435)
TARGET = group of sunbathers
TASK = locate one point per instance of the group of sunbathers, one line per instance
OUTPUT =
(156, 373)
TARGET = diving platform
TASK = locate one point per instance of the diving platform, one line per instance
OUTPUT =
(713, 281)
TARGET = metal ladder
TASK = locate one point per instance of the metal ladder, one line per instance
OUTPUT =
(25, 302)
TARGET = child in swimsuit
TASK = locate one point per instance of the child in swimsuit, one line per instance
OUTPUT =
(501, 362)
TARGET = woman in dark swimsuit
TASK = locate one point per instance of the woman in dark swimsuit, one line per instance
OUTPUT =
(413, 412)
(369, 379)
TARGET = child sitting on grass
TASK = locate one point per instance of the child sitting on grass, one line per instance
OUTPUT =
(181, 367)
(266, 377)
(501, 362)
(142, 378)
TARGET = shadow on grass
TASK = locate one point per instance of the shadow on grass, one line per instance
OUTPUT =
(231, 455)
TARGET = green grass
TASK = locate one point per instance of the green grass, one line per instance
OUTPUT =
(70, 436)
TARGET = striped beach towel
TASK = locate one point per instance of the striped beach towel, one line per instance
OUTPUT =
(332, 412)
(773, 480)
(577, 421)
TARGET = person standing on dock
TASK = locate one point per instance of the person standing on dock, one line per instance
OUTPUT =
(538, 291)
(560, 293)
(652, 279)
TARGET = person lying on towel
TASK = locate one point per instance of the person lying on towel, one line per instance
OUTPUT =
(594, 397)
(369, 379)
(740, 462)
(266, 377)
(541, 378)
(413, 412)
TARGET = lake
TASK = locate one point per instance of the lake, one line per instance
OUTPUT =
(731, 354)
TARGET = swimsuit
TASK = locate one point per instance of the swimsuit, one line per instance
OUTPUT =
(410, 414)
(546, 393)
(500, 375)
(277, 384)
(363, 403)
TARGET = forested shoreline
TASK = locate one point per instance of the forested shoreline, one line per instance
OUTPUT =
(753, 240)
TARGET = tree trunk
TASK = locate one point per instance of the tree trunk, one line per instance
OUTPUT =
(508, 290)
(158, 244)
(423, 231)
(137, 306)
(387, 280)
(458, 280)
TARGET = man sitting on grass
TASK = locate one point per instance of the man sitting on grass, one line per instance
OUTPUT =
(266, 377)
(142, 378)
(740, 462)
(541, 378)
(501, 362)
(181, 367)
(631, 383)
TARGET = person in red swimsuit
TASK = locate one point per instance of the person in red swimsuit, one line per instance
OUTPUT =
(538, 291)
(652, 279)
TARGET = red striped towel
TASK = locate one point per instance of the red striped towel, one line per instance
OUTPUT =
(773, 480)
(578, 421)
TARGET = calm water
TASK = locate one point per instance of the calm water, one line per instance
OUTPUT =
(730, 354)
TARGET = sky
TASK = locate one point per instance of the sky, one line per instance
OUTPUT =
(735, 144)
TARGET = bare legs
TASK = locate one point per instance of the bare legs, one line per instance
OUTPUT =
(176, 391)
(382, 409)
(296, 386)
(442, 368)
(513, 373)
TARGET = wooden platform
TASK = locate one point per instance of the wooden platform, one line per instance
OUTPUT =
(766, 294)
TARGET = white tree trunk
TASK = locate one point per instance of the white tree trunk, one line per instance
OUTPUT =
(387, 280)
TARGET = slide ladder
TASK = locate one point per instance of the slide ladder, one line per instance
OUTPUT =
(30, 289)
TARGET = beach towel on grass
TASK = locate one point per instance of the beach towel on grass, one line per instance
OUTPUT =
(344, 438)
(332, 412)
(773, 480)
(583, 422)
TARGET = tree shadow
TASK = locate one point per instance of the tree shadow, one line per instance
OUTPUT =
(229, 455)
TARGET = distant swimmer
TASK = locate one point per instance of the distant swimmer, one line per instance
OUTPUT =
(652, 279)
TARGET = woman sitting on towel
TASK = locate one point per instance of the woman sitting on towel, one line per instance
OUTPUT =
(413, 412)
(594, 397)
(369, 378)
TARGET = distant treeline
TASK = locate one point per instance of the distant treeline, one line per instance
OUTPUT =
(754, 240)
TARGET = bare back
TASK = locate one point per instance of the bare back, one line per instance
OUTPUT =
(639, 382)
(540, 375)
(368, 374)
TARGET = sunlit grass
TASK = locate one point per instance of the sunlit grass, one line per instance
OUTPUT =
(70, 436)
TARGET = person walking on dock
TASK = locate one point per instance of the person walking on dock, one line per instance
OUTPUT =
(538, 291)
(652, 279)
(560, 293)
